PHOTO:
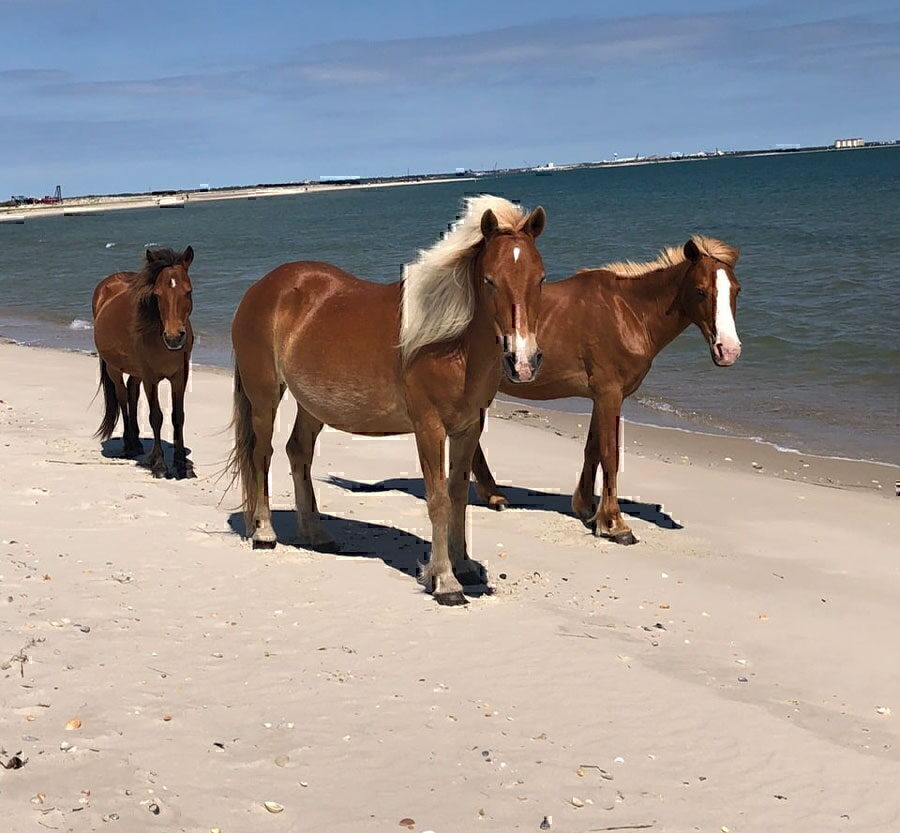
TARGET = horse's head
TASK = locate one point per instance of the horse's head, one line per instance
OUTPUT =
(709, 299)
(172, 291)
(510, 275)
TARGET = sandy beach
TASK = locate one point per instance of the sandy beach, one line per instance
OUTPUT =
(735, 671)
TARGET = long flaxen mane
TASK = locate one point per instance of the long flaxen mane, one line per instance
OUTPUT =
(141, 286)
(438, 294)
(673, 256)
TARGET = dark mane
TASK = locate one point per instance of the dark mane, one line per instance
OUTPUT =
(141, 287)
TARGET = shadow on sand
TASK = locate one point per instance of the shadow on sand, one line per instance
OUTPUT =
(402, 551)
(112, 450)
(519, 498)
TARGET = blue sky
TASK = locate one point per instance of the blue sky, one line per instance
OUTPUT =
(114, 95)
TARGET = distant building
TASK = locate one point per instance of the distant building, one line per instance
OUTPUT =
(849, 143)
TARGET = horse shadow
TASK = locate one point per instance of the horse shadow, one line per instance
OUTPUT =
(398, 549)
(113, 449)
(519, 498)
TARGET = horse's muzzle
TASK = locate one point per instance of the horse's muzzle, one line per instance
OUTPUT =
(519, 369)
(725, 353)
(176, 342)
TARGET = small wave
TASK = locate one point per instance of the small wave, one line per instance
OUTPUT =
(110, 245)
(78, 324)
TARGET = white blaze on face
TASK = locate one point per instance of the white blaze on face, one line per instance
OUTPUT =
(516, 252)
(727, 340)
(524, 345)
(173, 283)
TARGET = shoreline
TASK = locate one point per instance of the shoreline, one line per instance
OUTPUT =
(670, 444)
(101, 204)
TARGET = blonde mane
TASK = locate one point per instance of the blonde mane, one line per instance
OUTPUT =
(438, 297)
(673, 255)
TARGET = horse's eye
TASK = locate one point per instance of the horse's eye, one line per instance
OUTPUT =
(543, 277)
(701, 293)
(488, 281)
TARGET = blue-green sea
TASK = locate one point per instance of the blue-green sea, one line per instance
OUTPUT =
(819, 314)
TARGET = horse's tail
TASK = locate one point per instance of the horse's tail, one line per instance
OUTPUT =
(110, 404)
(240, 460)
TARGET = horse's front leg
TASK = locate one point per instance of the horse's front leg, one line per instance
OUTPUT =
(485, 484)
(133, 445)
(183, 466)
(156, 462)
(437, 575)
(608, 520)
(462, 447)
(583, 504)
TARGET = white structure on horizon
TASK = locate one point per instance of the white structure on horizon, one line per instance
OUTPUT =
(849, 143)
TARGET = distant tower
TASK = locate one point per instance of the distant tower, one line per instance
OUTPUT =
(58, 195)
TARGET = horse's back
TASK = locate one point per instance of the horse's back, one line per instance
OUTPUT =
(332, 338)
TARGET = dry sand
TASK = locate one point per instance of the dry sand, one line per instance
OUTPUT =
(725, 674)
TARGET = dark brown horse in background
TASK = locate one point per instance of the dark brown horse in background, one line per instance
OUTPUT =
(422, 355)
(142, 329)
(600, 331)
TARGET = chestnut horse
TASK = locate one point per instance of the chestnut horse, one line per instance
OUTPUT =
(601, 329)
(422, 355)
(142, 328)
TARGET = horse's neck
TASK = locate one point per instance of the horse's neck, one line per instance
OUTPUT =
(654, 299)
(479, 341)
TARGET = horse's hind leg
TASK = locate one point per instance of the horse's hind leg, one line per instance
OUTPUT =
(300, 448)
(156, 461)
(264, 403)
(485, 484)
(133, 445)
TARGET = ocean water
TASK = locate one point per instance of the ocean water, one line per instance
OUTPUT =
(820, 268)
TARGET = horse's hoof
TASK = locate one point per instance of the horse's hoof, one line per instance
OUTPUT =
(453, 599)
(498, 503)
(159, 473)
(264, 544)
(625, 538)
(474, 574)
(185, 473)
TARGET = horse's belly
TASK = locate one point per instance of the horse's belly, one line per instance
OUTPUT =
(353, 404)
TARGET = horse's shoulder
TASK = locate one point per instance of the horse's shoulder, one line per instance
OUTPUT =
(110, 287)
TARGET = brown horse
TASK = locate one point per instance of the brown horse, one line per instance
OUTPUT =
(422, 355)
(601, 329)
(142, 328)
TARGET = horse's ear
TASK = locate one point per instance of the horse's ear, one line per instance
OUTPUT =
(535, 222)
(691, 251)
(150, 255)
(489, 224)
(187, 256)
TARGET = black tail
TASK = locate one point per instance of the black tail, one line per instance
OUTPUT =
(110, 404)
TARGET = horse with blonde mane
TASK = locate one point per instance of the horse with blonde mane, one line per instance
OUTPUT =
(422, 355)
(601, 329)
